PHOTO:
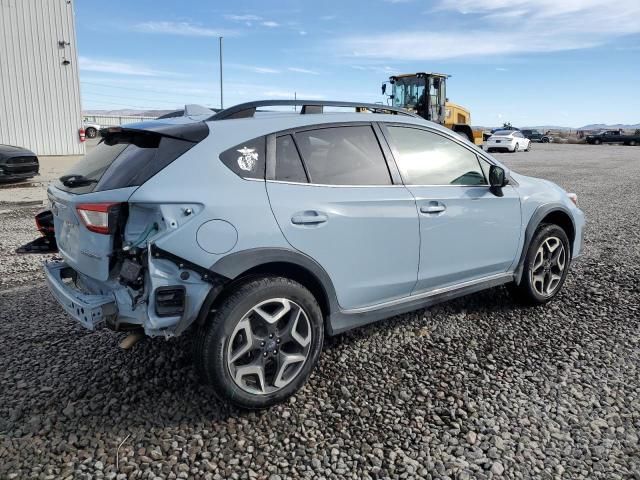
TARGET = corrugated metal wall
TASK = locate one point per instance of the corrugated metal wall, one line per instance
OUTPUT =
(39, 94)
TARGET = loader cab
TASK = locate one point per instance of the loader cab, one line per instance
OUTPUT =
(422, 93)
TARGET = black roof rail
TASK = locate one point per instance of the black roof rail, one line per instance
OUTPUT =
(248, 110)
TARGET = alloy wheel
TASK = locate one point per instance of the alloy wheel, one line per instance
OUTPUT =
(269, 346)
(548, 266)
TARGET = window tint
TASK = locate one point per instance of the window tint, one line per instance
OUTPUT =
(426, 158)
(288, 164)
(247, 159)
(124, 159)
(343, 156)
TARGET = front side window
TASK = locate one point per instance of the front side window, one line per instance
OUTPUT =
(426, 158)
(343, 156)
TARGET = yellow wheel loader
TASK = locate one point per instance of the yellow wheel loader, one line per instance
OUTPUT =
(426, 95)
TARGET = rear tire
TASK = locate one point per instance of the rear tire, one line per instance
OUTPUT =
(261, 345)
(632, 143)
(91, 132)
(516, 148)
(545, 266)
(597, 142)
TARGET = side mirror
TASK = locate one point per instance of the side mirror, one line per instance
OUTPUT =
(497, 179)
(384, 88)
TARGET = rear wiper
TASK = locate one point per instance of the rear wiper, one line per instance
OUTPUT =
(75, 180)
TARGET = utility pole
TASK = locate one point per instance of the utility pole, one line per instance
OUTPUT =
(221, 96)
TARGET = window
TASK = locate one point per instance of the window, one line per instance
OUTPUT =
(288, 164)
(427, 158)
(246, 160)
(124, 159)
(343, 156)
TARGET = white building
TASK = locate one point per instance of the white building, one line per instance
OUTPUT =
(39, 82)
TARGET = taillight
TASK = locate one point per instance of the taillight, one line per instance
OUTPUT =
(99, 217)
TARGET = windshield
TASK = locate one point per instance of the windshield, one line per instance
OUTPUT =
(408, 92)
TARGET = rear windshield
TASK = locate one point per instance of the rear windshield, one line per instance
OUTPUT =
(124, 160)
(503, 132)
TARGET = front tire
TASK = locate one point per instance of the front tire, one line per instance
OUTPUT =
(261, 344)
(545, 266)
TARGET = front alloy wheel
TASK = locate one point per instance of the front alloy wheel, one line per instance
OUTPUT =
(548, 267)
(545, 266)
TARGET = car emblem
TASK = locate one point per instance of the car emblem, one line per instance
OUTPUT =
(248, 159)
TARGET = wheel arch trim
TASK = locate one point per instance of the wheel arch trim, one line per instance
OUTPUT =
(540, 213)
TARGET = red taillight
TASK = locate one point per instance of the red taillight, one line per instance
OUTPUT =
(98, 217)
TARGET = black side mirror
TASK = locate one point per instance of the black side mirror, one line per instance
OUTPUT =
(384, 88)
(497, 179)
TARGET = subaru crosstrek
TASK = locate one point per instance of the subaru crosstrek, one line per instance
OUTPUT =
(264, 232)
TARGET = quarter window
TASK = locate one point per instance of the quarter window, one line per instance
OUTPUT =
(247, 160)
(426, 158)
(343, 156)
(288, 164)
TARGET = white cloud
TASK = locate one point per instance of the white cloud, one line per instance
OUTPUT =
(270, 24)
(302, 70)
(264, 70)
(181, 28)
(243, 18)
(253, 68)
(119, 67)
(290, 94)
(503, 27)
(302, 32)
(502, 69)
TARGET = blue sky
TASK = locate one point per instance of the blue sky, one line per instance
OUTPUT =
(544, 62)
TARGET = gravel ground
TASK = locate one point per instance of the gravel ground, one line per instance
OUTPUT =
(474, 388)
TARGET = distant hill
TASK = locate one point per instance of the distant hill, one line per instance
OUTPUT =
(603, 126)
(129, 112)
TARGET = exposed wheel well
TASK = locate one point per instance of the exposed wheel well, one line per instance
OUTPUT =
(563, 220)
(282, 269)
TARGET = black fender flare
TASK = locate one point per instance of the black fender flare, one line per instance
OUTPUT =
(235, 264)
(534, 222)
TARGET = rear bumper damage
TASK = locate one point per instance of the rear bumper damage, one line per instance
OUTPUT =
(88, 308)
(166, 304)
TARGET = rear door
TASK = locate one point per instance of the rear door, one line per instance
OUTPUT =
(466, 231)
(333, 197)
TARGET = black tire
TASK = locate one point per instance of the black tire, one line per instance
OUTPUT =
(528, 149)
(91, 132)
(632, 143)
(545, 140)
(516, 148)
(597, 141)
(210, 346)
(525, 291)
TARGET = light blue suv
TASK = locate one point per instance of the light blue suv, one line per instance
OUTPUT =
(264, 232)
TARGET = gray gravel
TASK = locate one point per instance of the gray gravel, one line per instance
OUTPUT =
(474, 388)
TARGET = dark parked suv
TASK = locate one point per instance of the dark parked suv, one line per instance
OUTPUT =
(536, 136)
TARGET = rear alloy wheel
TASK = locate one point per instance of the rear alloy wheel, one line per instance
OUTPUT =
(597, 141)
(632, 143)
(262, 343)
(528, 147)
(545, 267)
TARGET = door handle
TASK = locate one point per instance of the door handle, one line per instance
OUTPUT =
(433, 208)
(309, 218)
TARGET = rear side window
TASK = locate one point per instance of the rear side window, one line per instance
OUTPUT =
(288, 163)
(426, 158)
(121, 160)
(246, 160)
(343, 156)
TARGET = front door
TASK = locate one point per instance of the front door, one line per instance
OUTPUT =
(467, 232)
(340, 207)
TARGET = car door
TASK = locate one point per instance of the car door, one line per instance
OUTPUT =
(333, 197)
(466, 231)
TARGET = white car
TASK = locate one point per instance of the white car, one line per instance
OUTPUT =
(507, 141)
(91, 129)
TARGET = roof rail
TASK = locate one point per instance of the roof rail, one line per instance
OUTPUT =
(247, 110)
